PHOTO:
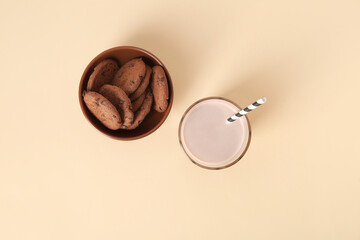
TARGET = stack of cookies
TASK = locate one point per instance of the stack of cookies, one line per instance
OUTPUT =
(121, 98)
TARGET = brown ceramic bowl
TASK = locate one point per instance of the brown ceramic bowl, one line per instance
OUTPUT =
(154, 119)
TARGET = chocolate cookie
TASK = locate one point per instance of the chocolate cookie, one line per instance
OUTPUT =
(160, 89)
(120, 100)
(136, 104)
(143, 85)
(103, 73)
(129, 76)
(142, 112)
(103, 110)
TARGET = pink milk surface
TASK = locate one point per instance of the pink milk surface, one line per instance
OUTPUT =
(208, 139)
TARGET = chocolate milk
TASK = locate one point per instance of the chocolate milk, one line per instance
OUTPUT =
(208, 139)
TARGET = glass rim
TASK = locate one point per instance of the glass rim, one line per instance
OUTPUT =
(182, 144)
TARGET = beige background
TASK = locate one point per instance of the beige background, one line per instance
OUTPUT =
(61, 179)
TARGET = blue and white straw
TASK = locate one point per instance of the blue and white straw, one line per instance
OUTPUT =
(247, 110)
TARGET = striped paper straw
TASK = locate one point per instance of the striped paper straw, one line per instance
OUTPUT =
(247, 110)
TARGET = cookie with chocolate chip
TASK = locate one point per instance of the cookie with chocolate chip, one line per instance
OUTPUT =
(130, 75)
(143, 111)
(143, 85)
(136, 104)
(103, 110)
(121, 101)
(103, 73)
(160, 88)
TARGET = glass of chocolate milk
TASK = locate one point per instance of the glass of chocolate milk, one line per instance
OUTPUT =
(208, 139)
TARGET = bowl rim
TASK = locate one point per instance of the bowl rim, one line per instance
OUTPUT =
(99, 57)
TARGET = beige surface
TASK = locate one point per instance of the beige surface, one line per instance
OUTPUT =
(61, 179)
